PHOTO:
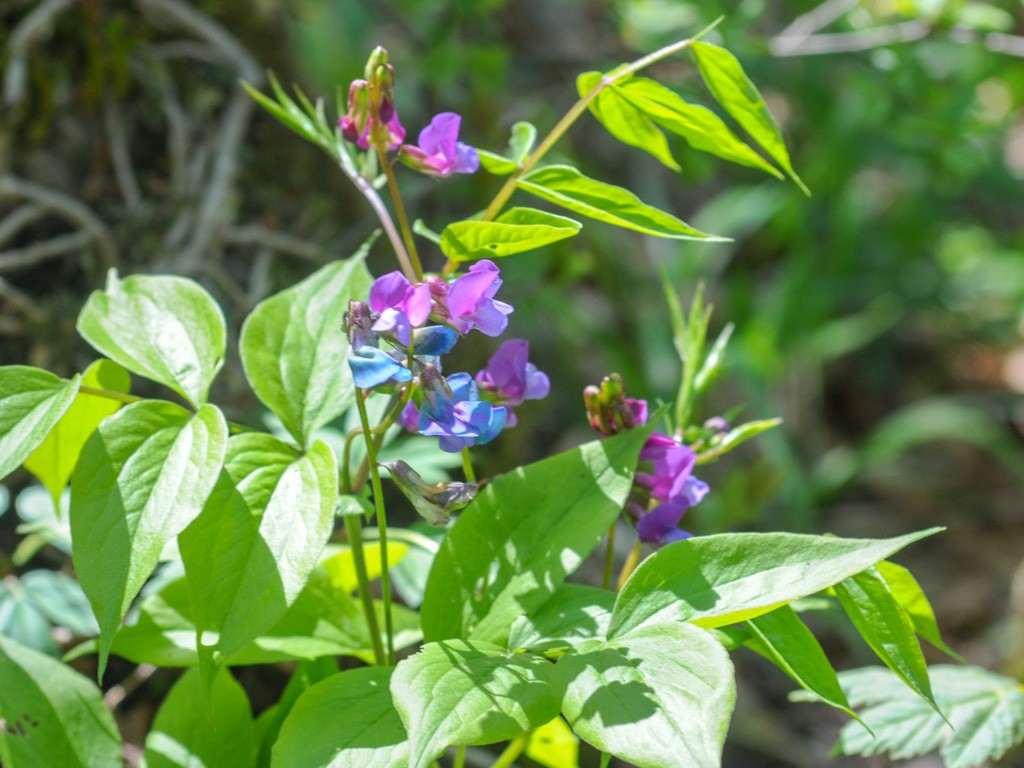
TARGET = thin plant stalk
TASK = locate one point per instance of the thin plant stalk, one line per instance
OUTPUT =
(382, 523)
(467, 466)
(403, 219)
(460, 757)
(632, 560)
(355, 539)
(512, 751)
(609, 557)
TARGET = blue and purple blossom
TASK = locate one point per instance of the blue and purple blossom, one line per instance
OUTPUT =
(453, 411)
(671, 482)
(439, 152)
(370, 365)
(510, 378)
(402, 305)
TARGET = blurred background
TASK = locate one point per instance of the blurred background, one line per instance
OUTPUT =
(882, 317)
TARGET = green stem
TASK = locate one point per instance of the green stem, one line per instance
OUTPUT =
(382, 522)
(467, 466)
(121, 397)
(512, 751)
(578, 109)
(355, 539)
(460, 757)
(630, 565)
(609, 558)
(606, 758)
(403, 220)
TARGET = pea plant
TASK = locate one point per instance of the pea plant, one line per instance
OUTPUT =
(205, 544)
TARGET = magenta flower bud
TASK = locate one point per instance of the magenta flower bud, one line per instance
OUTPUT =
(609, 410)
(363, 116)
(439, 152)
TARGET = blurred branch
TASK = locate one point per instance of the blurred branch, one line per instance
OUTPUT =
(21, 301)
(806, 25)
(69, 208)
(43, 250)
(213, 209)
(118, 693)
(33, 28)
(257, 234)
(120, 156)
(20, 218)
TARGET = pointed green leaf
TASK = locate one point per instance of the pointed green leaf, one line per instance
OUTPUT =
(458, 692)
(268, 724)
(885, 627)
(624, 121)
(567, 187)
(346, 721)
(167, 329)
(251, 550)
(657, 696)
(731, 577)
(497, 165)
(294, 350)
(515, 231)
(185, 733)
(517, 541)
(31, 403)
(735, 437)
(730, 85)
(911, 597)
(699, 126)
(54, 460)
(986, 712)
(52, 715)
(782, 638)
(143, 476)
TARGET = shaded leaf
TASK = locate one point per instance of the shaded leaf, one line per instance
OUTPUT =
(458, 692)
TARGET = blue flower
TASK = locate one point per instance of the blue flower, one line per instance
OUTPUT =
(453, 412)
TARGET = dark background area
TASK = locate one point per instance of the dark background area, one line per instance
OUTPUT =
(881, 317)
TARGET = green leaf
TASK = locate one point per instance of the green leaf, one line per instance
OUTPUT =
(624, 121)
(251, 550)
(458, 692)
(713, 362)
(699, 126)
(54, 460)
(167, 329)
(518, 540)
(735, 437)
(782, 638)
(986, 712)
(268, 724)
(515, 231)
(911, 597)
(565, 186)
(22, 621)
(346, 721)
(61, 600)
(52, 715)
(186, 734)
(732, 88)
(31, 403)
(657, 696)
(520, 143)
(731, 577)
(575, 614)
(143, 476)
(294, 350)
(554, 745)
(497, 165)
(885, 626)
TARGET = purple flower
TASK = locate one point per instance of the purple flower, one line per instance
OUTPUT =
(439, 152)
(470, 301)
(402, 305)
(452, 411)
(672, 483)
(511, 378)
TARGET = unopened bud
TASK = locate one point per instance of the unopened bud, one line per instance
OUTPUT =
(433, 501)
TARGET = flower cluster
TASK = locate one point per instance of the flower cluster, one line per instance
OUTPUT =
(390, 344)
(666, 488)
(371, 119)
